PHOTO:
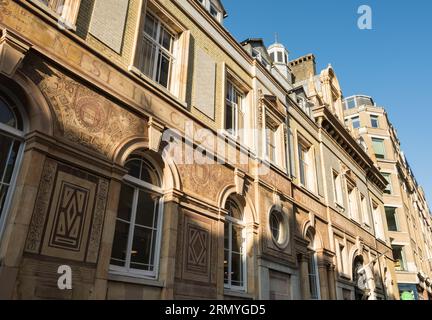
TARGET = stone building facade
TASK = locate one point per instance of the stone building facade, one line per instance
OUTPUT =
(407, 213)
(158, 158)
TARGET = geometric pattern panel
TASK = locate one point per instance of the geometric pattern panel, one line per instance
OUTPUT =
(197, 249)
(69, 220)
(198, 244)
(69, 212)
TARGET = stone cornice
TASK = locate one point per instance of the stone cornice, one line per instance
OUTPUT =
(328, 122)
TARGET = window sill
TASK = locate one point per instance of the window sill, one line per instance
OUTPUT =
(129, 278)
(339, 206)
(310, 192)
(137, 72)
(237, 294)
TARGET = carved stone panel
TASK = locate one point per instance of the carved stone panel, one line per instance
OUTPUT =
(197, 248)
(82, 115)
(68, 217)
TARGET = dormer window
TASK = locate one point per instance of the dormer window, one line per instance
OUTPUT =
(214, 12)
(212, 7)
(257, 55)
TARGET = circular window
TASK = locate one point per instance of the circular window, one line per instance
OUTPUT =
(278, 227)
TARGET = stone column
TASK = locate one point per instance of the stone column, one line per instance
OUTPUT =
(323, 281)
(18, 220)
(102, 270)
(304, 277)
(331, 282)
(169, 245)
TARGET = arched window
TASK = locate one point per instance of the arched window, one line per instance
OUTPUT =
(138, 227)
(314, 286)
(11, 135)
(234, 245)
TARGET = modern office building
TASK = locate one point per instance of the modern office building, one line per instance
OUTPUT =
(407, 214)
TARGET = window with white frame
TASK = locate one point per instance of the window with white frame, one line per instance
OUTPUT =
(342, 258)
(270, 140)
(213, 9)
(352, 201)
(355, 122)
(157, 57)
(11, 136)
(313, 269)
(379, 148)
(337, 184)
(234, 116)
(389, 188)
(399, 257)
(138, 226)
(379, 226)
(365, 210)
(306, 165)
(374, 121)
(67, 10)
(392, 220)
(234, 247)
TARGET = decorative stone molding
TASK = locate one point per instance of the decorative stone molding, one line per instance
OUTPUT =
(156, 129)
(239, 181)
(276, 199)
(12, 52)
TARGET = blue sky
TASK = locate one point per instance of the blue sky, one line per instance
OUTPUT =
(392, 62)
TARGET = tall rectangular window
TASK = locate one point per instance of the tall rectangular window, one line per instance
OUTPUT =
(356, 122)
(233, 106)
(378, 147)
(313, 277)
(389, 188)
(270, 141)
(379, 230)
(306, 167)
(374, 121)
(157, 59)
(399, 257)
(337, 183)
(352, 202)
(392, 221)
(365, 210)
(342, 258)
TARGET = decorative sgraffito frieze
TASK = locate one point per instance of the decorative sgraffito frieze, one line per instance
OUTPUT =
(83, 116)
(206, 179)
